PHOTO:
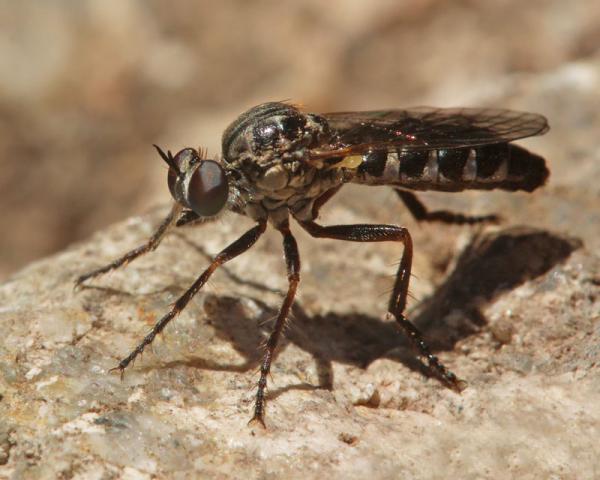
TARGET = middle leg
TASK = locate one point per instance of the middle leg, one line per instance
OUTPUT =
(292, 261)
(397, 304)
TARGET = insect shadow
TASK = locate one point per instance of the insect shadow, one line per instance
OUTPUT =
(492, 264)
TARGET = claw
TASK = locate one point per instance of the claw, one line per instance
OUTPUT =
(257, 421)
(79, 282)
(121, 370)
(459, 385)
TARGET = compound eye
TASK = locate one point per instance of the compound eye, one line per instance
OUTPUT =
(172, 182)
(207, 190)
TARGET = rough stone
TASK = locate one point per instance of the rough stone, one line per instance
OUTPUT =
(513, 309)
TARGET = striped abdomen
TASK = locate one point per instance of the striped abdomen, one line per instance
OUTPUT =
(504, 166)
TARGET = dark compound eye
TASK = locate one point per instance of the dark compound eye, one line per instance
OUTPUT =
(207, 190)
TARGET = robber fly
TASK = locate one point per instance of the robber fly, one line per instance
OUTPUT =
(278, 161)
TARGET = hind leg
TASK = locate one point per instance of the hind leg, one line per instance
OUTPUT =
(420, 212)
(387, 233)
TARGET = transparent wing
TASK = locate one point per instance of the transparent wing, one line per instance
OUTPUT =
(426, 128)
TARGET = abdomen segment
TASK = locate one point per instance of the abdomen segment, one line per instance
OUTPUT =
(504, 166)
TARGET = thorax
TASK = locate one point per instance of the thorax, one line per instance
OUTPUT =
(265, 154)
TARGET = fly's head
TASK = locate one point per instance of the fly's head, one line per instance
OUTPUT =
(195, 182)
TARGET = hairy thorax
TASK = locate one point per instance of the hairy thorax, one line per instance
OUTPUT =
(266, 152)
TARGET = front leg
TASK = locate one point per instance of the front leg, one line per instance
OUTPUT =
(150, 245)
(292, 260)
(397, 304)
(236, 248)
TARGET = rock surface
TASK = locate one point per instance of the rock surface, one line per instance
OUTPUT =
(513, 309)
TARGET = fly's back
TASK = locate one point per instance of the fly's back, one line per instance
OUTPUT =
(272, 132)
(267, 152)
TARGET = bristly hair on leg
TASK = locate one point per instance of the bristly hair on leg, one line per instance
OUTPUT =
(388, 291)
(265, 322)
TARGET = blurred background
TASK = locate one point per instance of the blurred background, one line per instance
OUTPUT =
(86, 87)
